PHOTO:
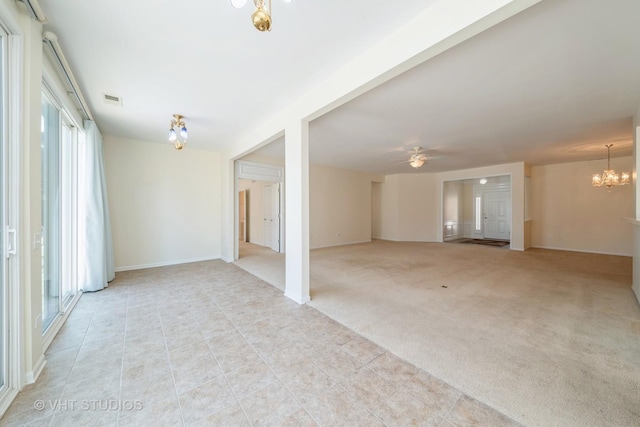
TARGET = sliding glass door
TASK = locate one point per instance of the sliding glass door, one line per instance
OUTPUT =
(59, 211)
(4, 321)
(50, 146)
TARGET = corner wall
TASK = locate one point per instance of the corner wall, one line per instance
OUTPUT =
(164, 204)
(339, 206)
(570, 214)
(409, 208)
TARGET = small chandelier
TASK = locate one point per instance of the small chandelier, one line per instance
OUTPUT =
(261, 17)
(609, 177)
(178, 132)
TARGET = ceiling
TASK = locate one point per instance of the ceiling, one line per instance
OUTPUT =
(552, 84)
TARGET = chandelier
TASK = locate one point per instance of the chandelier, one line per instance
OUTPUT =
(261, 17)
(609, 177)
(178, 132)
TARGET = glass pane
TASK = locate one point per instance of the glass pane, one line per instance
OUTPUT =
(50, 146)
(478, 213)
(67, 214)
(3, 308)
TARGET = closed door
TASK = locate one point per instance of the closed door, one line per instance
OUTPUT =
(271, 203)
(497, 215)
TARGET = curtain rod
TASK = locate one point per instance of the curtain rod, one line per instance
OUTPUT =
(35, 10)
(51, 40)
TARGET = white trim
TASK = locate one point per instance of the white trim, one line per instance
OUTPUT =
(32, 376)
(259, 171)
(16, 295)
(7, 399)
(167, 263)
(555, 248)
(10, 16)
(297, 299)
(225, 259)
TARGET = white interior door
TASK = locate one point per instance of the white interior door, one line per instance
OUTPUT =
(271, 203)
(497, 215)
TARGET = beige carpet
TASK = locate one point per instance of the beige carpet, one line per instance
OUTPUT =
(546, 337)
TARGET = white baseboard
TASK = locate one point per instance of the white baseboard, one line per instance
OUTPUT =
(341, 244)
(6, 401)
(225, 259)
(165, 263)
(580, 250)
(32, 376)
(297, 299)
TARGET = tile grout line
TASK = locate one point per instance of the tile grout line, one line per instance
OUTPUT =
(166, 348)
(124, 343)
(75, 359)
(268, 365)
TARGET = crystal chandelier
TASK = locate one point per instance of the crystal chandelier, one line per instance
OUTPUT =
(609, 177)
(178, 132)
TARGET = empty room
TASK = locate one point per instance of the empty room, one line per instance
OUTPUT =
(288, 212)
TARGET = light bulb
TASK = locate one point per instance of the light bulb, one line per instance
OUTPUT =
(183, 132)
(238, 3)
(172, 135)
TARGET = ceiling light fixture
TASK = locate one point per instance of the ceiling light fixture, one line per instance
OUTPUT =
(609, 177)
(261, 17)
(178, 132)
(483, 181)
(417, 160)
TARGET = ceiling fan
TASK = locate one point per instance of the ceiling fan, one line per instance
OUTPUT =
(417, 159)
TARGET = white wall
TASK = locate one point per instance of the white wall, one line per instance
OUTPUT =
(569, 213)
(164, 203)
(410, 208)
(339, 206)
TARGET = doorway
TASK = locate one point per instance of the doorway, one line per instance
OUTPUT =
(477, 209)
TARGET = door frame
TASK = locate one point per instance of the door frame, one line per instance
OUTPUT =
(477, 188)
(258, 172)
(15, 295)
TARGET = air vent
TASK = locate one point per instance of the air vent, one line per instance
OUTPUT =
(112, 99)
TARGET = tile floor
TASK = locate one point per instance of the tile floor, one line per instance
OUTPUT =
(209, 344)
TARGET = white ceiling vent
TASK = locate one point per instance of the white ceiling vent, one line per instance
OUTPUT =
(112, 99)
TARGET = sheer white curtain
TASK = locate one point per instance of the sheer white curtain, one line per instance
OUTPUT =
(96, 233)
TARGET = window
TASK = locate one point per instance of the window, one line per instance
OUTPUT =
(478, 213)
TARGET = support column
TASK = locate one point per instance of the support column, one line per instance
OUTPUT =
(297, 211)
